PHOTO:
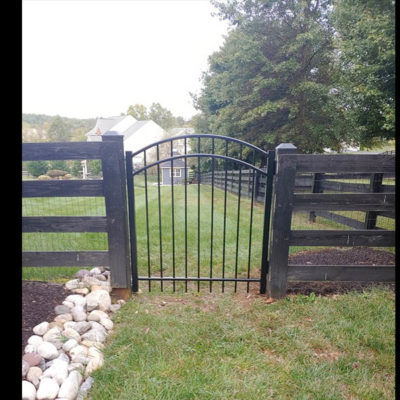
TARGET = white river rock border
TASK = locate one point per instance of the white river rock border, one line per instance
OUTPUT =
(61, 355)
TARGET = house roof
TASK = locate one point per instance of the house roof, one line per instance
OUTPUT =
(135, 127)
(125, 125)
(105, 124)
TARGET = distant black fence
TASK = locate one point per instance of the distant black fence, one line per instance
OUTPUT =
(112, 187)
(246, 182)
(302, 183)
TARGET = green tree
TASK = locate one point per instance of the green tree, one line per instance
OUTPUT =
(37, 168)
(76, 168)
(365, 44)
(60, 165)
(272, 79)
(138, 111)
(157, 113)
(58, 130)
(180, 121)
(200, 123)
(161, 116)
(78, 134)
(94, 167)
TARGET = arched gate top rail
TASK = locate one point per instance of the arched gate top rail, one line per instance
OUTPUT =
(197, 155)
(201, 135)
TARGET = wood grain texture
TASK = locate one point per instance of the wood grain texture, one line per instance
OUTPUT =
(361, 273)
(346, 238)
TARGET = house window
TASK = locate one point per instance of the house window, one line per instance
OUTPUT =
(176, 173)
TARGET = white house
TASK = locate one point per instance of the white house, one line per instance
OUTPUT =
(137, 134)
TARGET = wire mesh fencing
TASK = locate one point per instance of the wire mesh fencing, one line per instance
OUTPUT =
(63, 207)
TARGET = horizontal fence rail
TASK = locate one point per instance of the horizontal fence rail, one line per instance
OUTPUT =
(344, 238)
(361, 273)
(65, 258)
(112, 188)
(343, 163)
(334, 183)
(339, 201)
(62, 151)
(54, 188)
(64, 224)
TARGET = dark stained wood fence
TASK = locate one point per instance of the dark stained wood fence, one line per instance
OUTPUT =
(332, 183)
(112, 187)
(286, 200)
(246, 182)
(296, 174)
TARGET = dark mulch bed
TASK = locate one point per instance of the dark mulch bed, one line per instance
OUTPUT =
(351, 256)
(40, 298)
(38, 302)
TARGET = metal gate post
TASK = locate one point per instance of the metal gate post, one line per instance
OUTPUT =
(132, 226)
(267, 215)
(281, 220)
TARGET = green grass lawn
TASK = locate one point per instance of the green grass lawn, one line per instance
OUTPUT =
(213, 346)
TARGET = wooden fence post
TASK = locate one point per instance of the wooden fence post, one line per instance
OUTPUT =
(316, 188)
(114, 179)
(281, 221)
(374, 187)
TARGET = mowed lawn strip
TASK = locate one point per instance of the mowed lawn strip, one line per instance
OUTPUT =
(213, 346)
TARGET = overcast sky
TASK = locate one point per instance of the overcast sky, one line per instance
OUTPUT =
(87, 58)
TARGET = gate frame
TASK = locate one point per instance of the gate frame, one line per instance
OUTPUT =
(269, 173)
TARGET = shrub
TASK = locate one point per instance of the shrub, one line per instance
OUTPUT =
(37, 168)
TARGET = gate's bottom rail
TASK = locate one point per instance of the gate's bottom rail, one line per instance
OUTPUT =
(196, 279)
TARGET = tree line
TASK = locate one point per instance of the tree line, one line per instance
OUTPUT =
(157, 113)
(62, 129)
(311, 72)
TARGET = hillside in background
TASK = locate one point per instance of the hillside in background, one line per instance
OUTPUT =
(35, 127)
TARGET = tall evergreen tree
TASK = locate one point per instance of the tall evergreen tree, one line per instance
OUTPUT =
(273, 80)
(365, 43)
(59, 130)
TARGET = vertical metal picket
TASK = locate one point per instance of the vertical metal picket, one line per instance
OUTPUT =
(132, 224)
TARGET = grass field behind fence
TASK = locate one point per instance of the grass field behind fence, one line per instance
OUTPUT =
(94, 206)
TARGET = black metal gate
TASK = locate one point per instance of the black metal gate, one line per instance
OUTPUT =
(181, 238)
